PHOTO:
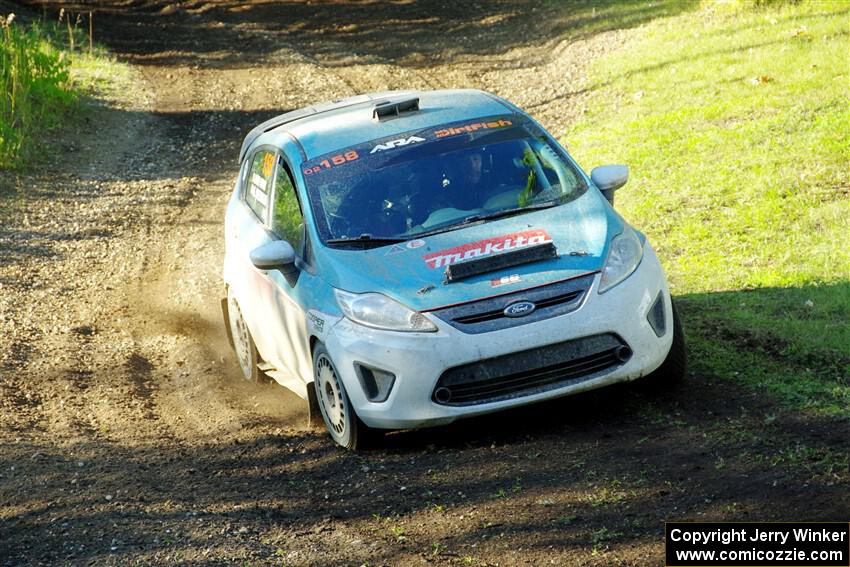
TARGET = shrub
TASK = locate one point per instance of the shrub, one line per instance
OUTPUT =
(35, 86)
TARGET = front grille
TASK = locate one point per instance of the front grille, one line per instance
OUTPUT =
(488, 314)
(530, 371)
(499, 313)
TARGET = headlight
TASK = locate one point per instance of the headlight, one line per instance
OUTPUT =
(624, 255)
(381, 312)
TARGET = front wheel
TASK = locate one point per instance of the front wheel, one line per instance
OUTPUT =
(338, 414)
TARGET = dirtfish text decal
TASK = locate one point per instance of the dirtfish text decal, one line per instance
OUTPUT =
(466, 128)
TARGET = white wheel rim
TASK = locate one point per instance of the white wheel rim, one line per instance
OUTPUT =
(241, 341)
(330, 395)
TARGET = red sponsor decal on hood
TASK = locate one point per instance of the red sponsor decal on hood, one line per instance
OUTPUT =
(494, 245)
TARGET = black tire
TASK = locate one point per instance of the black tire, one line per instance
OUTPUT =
(675, 366)
(341, 421)
(243, 343)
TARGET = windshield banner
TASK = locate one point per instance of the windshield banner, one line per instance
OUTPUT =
(382, 146)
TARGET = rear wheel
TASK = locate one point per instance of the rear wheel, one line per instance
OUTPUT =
(243, 343)
(342, 423)
(672, 371)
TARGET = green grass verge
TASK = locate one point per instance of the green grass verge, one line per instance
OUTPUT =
(36, 89)
(736, 126)
(584, 18)
(42, 76)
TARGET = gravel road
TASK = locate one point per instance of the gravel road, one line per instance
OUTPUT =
(126, 436)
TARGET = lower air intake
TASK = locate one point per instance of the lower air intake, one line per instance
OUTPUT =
(531, 371)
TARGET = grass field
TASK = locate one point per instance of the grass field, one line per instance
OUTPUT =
(44, 69)
(736, 126)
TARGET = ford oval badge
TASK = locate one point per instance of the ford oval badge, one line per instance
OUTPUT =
(519, 309)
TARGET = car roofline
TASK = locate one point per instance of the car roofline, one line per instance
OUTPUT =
(375, 99)
(295, 115)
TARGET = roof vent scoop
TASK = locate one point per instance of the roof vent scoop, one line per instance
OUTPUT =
(388, 109)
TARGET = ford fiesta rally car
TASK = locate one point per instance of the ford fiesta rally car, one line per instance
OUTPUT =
(405, 259)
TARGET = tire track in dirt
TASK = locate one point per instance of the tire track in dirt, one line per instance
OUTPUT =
(182, 284)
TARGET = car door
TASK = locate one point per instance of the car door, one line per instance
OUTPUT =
(286, 316)
(249, 230)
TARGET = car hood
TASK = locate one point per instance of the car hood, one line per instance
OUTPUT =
(414, 272)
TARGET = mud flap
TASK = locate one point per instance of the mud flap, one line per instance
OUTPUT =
(226, 314)
(314, 414)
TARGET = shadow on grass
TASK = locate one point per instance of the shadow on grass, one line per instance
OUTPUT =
(793, 342)
(803, 326)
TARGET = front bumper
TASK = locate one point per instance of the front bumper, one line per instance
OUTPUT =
(419, 359)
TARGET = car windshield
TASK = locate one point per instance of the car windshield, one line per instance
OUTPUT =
(437, 179)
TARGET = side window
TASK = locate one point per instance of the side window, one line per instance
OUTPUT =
(258, 183)
(287, 221)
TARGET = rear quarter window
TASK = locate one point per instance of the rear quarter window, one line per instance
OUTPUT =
(258, 183)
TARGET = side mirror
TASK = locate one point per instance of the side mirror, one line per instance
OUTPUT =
(609, 178)
(276, 255)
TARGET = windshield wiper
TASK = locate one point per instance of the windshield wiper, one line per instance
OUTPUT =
(507, 212)
(365, 240)
(472, 219)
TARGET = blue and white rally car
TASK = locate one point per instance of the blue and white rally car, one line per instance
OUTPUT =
(405, 259)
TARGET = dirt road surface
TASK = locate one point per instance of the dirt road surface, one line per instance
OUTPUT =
(126, 436)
